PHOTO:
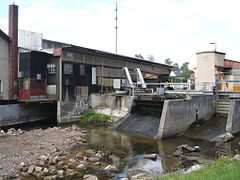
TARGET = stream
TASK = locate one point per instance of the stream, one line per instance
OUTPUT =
(126, 151)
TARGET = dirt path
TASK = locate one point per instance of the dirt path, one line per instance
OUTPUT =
(17, 146)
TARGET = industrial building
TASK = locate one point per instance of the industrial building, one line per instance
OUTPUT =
(38, 70)
(70, 74)
(212, 66)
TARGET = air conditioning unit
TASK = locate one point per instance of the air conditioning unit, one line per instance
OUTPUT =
(20, 74)
(39, 76)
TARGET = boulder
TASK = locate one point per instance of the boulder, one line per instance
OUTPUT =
(227, 136)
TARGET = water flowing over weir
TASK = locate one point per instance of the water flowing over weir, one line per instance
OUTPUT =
(144, 118)
(166, 116)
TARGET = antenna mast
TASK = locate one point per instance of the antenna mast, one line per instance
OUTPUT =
(116, 27)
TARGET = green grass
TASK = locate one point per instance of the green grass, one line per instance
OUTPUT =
(222, 169)
(89, 151)
(91, 116)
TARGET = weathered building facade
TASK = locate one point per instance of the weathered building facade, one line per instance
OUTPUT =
(4, 58)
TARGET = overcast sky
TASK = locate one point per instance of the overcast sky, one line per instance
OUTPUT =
(175, 29)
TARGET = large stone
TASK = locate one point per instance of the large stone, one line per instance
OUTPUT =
(31, 169)
(237, 157)
(38, 169)
(54, 177)
(93, 159)
(111, 168)
(227, 136)
(81, 167)
(194, 168)
(90, 177)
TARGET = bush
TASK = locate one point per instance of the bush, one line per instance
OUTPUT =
(91, 116)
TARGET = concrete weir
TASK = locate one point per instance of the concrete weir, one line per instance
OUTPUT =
(165, 118)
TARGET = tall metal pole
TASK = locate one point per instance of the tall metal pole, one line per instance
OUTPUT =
(116, 27)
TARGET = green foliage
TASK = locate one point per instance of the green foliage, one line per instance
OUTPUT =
(150, 57)
(89, 151)
(168, 61)
(139, 56)
(93, 116)
(220, 170)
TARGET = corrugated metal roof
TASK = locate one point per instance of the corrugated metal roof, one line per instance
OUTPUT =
(108, 54)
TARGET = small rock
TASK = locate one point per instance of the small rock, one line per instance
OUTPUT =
(237, 157)
(60, 173)
(44, 158)
(93, 159)
(178, 153)
(54, 177)
(70, 172)
(90, 177)
(188, 148)
(52, 170)
(31, 169)
(124, 179)
(111, 168)
(81, 167)
(79, 155)
(38, 169)
(45, 170)
(139, 176)
(149, 156)
(75, 127)
(194, 168)
(20, 166)
(24, 174)
(97, 163)
(98, 155)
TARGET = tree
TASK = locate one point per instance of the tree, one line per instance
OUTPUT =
(139, 56)
(150, 57)
(186, 72)
(168, 61)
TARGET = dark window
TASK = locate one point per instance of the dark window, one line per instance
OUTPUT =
(82, 69)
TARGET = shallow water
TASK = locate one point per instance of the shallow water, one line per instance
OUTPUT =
(126, 149)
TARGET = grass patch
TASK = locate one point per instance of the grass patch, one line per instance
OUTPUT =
(89, 151)
(222, 169)
(91, 117)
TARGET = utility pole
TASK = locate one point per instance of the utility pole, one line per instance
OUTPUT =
(116, 28)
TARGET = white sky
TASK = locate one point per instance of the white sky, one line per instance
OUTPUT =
(175, 29)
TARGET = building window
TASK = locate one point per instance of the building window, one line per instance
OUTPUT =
(82, 69)
(1, 86)
(68, 68)
(51, 68)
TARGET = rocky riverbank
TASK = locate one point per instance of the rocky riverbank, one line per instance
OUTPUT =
(20, 150)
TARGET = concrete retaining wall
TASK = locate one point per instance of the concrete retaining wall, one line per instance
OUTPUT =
(233, 121)
(70, 111)
(22, 113)
(178, 115)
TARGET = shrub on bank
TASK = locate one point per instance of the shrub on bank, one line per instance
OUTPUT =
(91, 117)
